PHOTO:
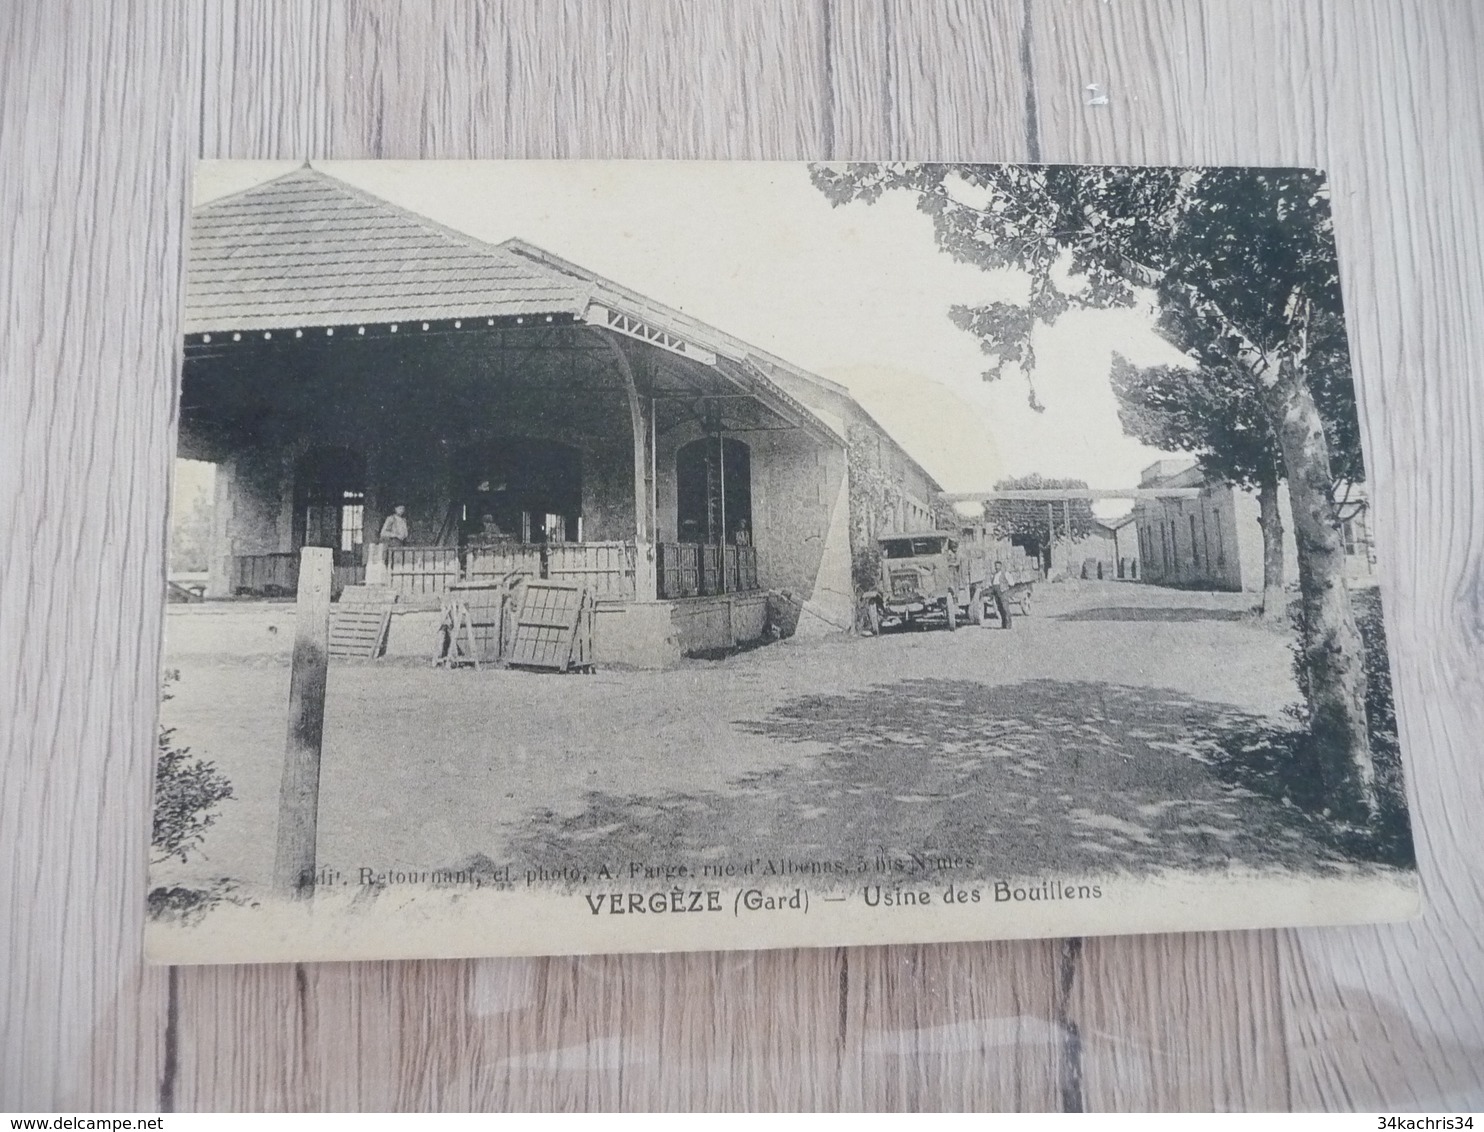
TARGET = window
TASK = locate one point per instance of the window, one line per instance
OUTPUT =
(713, 491)
(330, 499)
(1195, 560)
(911, 547)
(515, 489)
(352, 521)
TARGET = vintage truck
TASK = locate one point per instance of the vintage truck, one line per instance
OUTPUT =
(930, 575)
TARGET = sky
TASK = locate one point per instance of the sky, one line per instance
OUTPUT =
(859, 294)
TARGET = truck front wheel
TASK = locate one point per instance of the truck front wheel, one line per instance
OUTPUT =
(950, 609)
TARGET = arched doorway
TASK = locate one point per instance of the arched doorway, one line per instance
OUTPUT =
(330, 501)
(516, 490)
(713, 492)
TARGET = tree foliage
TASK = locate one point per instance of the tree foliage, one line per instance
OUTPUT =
(190, 534)
(1035, 523)
(1242, 269)
(1214, 413)
(1220, 253)
(1223, 255)
(1218, 413)
(187, 793)
(874, 495)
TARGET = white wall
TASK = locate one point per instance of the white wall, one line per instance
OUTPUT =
(1226, 549)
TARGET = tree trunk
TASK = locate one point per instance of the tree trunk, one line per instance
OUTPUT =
(1274, 600)
(1333, 652)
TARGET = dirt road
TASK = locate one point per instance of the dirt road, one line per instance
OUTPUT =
(1086, 739)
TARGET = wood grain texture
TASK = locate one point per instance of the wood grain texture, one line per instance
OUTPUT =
(1377, 95)
(102, 109)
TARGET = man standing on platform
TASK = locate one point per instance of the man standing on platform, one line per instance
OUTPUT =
(999, 588)
(394, 530)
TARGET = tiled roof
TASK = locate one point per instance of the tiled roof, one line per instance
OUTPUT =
(308, 250)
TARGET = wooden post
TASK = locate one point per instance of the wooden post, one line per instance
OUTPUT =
(644, 566)
(219, 559)
(645, 586)
(298, 798)
(721, 471)
(654, 480)
(376, 568)
(1066, 515)
(1050, 538)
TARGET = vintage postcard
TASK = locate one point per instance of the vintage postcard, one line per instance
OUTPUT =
(628, 556)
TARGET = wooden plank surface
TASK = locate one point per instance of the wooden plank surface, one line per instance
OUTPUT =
(359, 623)
(102, 108)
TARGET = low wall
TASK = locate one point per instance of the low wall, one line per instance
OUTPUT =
(644, 634)
(652, 634)
(229, 629)
(703, 624)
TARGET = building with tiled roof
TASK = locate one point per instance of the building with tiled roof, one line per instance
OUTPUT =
(345, 356)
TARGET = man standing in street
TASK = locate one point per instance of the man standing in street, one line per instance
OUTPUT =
(999, 588)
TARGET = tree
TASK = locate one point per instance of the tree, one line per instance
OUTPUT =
(1036, 524)
(1242, 268)
(190, 534)
(187, 792)
(874, 495)
(1215, 413)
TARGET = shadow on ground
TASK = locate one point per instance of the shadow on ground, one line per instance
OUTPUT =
(1035, 778)
(1152, 613)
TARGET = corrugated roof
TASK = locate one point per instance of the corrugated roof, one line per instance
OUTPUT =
(308, 250)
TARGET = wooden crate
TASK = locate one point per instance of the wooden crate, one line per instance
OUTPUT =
(359, 623)
(266, 575)
(490, 614)
(420, 570)
(554, 627)
(605, 569)
(746, 568)
(731, 580)
(711, 580)
(679, 569)
(667, 568)
(485, 563)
